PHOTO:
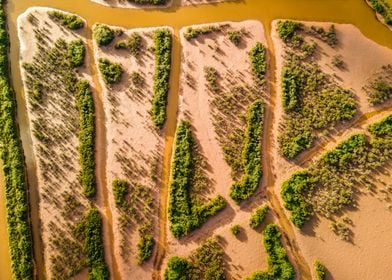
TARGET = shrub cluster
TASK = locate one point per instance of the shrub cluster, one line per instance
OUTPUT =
(279, 266)
(192, 33)
(145, 247)
(185, 214)
(380, 91)
(235, 229)
(320, 270)
(383, 8)
(258, 216)
(287, 29)
(120, 190)
(258, 61)
(111, 72)
(76, 53)
(134, 44)
(207, 262)
(251, 155)
(235, 36)
(162, 45)
(211, 75)
(70, 21)
(85, 105)
(328, 37)
(19, 235)
(90, 229)
(103, 34)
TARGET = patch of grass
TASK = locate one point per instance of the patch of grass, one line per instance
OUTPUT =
(162, 45)
(279, 266)
(76, 53)
(320, 270)
(103, 34)
(258, 216)
(251, 155)
(11, 152)
(185, 214)
(85, 105)
(68, 20)
(111, 72)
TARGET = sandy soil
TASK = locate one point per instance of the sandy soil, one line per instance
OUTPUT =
(244, 254)
(126, 4)
(54, 177)
(363, 58)
(134, 146)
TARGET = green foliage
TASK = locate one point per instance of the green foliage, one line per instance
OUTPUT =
(287, 29)
(328, 37)
(76, 53)
(258, 216)
(70, 21)
(19, 235)
(251, 155)
(235, 36)
(120, 190)
(163, 44)
(384, 8)
(111, 72)
(135, 43)
(85, 105)
(258, 61)
(279, 266)
(235, 229)
(380, 91)
(205, 263)
(185, 214)
(382, 128)
(338, 62)
(342, 230)
(103, 34)
(192, 33)
(320, 270)
(145, 247)
(211, 75)
(91, 230)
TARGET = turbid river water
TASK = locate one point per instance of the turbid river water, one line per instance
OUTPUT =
(340, 11)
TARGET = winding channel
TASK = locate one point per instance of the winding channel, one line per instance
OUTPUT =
(349, 11)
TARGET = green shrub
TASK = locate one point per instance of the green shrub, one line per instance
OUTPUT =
(185, 214)
(162, 43)
(235, 229)
(18, 226)
(145, 247)
(120, 190)
(103, 34)
(258, 216)
(111, 72)
(382, 128)
(320, 270)
(211, 76)
(85, 105)
(251, 155)
(258, 61)
(235, 36)
(380, 91)
(383, 7)
(76, 53)
(279, 266)
(177, 269)
(192, 33)
(70, 21)
(287, 29)
(338, 62)
(135, 43)
(328, 37)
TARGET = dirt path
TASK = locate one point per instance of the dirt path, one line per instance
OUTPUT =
(100, 161)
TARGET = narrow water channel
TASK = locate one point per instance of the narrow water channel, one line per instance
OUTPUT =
(347, 11)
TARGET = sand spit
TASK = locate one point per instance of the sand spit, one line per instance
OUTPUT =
(134, 148)
(367, 256)
(245, 253)
(55, 119)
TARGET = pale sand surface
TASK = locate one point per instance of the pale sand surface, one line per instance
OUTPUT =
(246, 253)
(367, 257)
(127, 4)
(65, 150)
(133, 144)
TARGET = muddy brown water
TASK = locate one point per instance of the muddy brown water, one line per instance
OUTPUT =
(341, 11)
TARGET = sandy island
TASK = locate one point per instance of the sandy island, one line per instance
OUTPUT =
(130, 5)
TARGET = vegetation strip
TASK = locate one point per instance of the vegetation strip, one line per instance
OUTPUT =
(19, 232)
(70, 21)
(279, 266)
(186, 214)
(328, 185)
(162, 45)
(383, 8)
(258, 216)
(251, 155)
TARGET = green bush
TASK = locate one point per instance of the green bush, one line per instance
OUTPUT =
(19, 234)
(85, 105)
(235, 229)
(135, 43)
(258, 216)
(258, 61)
(211, 76)
(185, 214)
(120, 190)
(382, 128)
(235, 36)
(279, 266)
(320, 270)
(76, 53)
(103, 34)
(177, 269)
(192, 33)
(162, 43)
(70, 21)
(384, 8)
(380, 91)
(251, 155)
(145, 247)
(287, 29)
(111, 72)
